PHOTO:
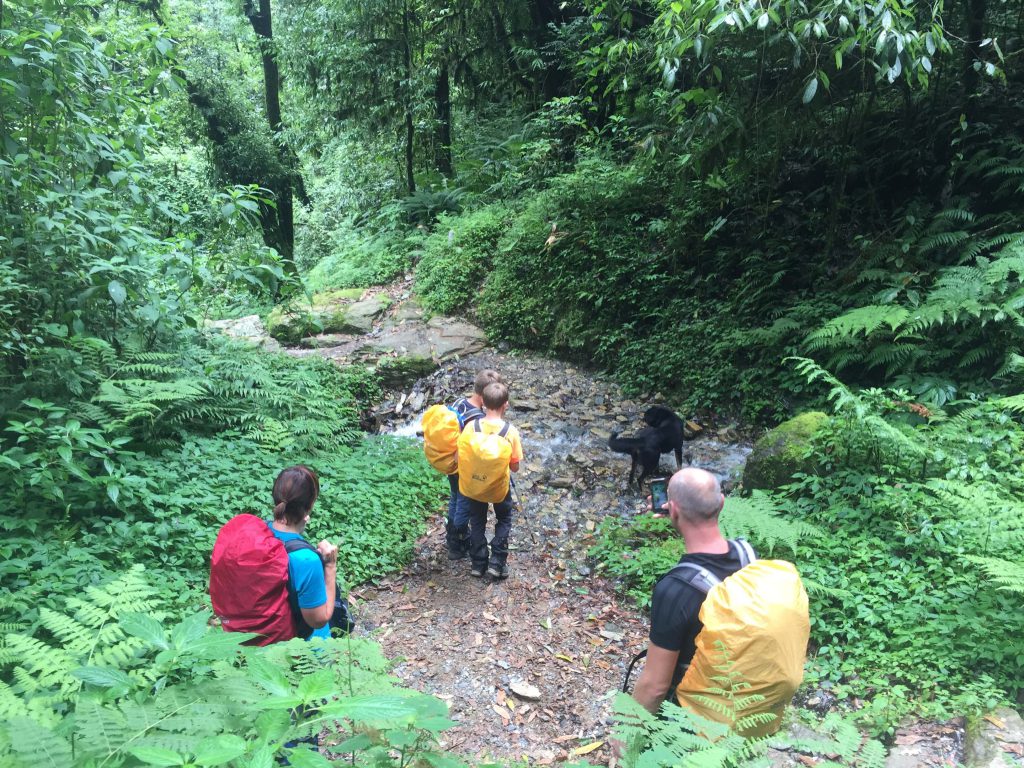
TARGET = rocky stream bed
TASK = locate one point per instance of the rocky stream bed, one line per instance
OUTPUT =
(529, 665)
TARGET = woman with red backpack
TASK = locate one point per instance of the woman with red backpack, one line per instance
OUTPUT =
(267, 579)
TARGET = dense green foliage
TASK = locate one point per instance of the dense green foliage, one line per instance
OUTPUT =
(127, 434)
(107, 678)
(683, 193)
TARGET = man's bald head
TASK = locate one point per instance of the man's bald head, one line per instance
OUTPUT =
(697, 494)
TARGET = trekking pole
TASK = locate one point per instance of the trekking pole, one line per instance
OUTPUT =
(522, 509)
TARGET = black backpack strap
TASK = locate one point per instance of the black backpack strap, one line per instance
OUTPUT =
(629, 669)
(744, 551)
(697, 576)
(294, 545)
(504, 429)
(470, 414)
(302, 629)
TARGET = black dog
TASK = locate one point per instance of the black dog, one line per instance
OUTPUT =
(665, 433)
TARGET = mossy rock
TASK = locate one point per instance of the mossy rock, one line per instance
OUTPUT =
(398, 372)
(779, 455)
(289, 325)
(332, 312)
(342, 294)
(357, 317)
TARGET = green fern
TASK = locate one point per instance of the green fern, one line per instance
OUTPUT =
(1007, 575)
(48, 670)
(761, 518)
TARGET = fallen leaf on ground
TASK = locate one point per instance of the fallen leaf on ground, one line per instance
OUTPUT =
(525, 690)
(587, 748)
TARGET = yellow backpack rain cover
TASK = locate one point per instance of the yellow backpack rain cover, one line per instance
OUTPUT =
(759, 614)
(441, 438)
(484, 464)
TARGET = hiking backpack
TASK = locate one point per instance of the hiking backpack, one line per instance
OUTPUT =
(442, 425)
(759, 616)
(484, 464)
(249, 586)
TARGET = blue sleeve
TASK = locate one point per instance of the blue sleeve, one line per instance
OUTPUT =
(307, 575)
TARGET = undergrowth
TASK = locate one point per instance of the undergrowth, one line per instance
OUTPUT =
(108, 679)
(160, 449)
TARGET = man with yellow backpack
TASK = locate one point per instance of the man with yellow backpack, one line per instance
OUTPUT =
(442, 425)
(720, 596)
(489, 451)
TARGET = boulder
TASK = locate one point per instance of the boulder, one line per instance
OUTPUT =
(289, 324)
(359, 317)
(248, 329)
(331, 312)
(994, 740)
(778, 455)
(401, 370)
(441, 339)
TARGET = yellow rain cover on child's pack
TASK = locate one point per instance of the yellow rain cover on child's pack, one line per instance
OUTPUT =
(759, 615)
(484, 464)
(441, 438)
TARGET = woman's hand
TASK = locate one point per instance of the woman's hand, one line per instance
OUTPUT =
(328, 552)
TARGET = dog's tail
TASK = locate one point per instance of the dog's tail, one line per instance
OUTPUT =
(623, 444)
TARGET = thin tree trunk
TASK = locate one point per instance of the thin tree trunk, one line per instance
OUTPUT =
(262, 24)
(410, 128)
(443, 112)
(974, 11)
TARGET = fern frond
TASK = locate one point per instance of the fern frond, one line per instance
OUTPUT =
(1008, 575)
(760, 518)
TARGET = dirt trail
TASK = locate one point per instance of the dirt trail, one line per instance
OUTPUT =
(554, 624)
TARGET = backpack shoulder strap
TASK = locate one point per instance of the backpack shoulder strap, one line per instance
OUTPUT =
(302, 629)
(476, 425)
(470, 414)
(697, 576)
(746, 552)
(294, 545)
(504, 429)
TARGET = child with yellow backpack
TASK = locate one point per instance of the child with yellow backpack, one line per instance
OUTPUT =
(489, 451)
(442, 425)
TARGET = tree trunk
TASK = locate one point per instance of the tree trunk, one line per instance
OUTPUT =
(410, 128)
(262, 24)
(974, 16)
(553, 79)
(443, 115)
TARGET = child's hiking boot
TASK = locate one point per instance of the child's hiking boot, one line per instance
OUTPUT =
(477, 571)
(498, 571)
(457, 541)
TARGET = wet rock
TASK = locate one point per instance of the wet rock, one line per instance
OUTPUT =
(442, 338)
(561, 482)
(323, 340)
(402, 370)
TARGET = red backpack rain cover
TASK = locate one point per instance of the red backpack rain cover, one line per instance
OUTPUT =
(249, 581)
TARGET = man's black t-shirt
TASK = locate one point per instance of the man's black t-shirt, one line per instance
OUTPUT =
(675, 607)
